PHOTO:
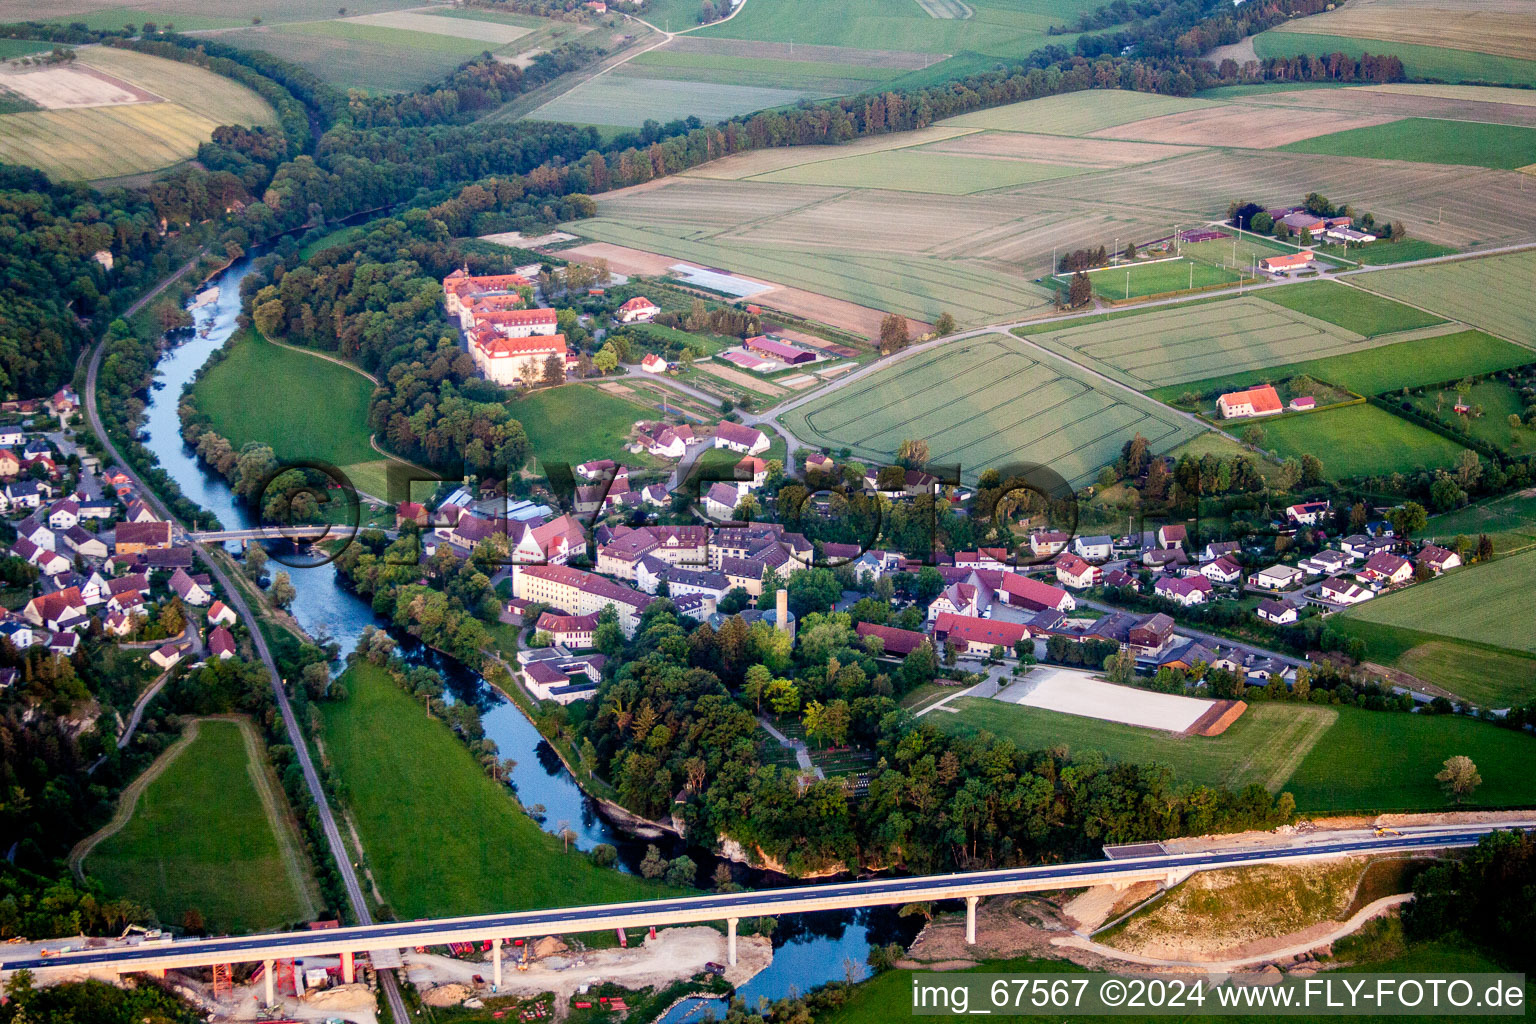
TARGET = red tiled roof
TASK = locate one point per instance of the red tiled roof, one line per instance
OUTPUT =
(897, 641)
(1263, 399)
(971, 629)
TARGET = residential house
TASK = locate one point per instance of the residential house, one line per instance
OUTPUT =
(1287, 261)
(1327, 562)
(132, 537)
(1385, 569)
(97, 508)
(1171, 535)
(637, 310)
(1151, 635)
(58, 611)
(1046, 543)
(166, 656)
(1359, 546)
(221, 643)
(140, 512)
(1184, 590)
(1341, 591)
(1276, 577)
(958, 599)
(221, 614)
(64, 513)
(1074, 572)
(1308, 513)
(188, 589)
(740, 438)
(983, 558)
(1121, 578)
(1093, 549)
(1224, 570)
(1437, 558)
(721, 499)
(1280, 613)
(10, 465)
(410, 512)
(33, 529)
(85, 543)
(752, 471)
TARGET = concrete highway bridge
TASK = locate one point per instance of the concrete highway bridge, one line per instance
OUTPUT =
(270, 533)
(389, 937)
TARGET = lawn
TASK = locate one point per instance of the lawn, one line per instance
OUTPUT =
(205, 835)
(919, 171)
(1488, 603)
(1350, 308)
(1183, 343)
(314, 409)
(1139, 280)
(1430, 141)
(1374, 371)
(1264, 745)
(987, 402)
(578, 422)
(1358, 441)
(1420, 62)
(1386, 761)
(1491, 292)
(412, 786)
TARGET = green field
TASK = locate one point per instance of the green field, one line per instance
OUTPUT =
(1264, 745)
(1077, 113)
(1489, 603)
(314, 409)
(1487, 678)
(1358, 441)
(919, 171)
(984, 402)
(1510, 521)
(1175, 345)
(1350, 308)
(1430, 141)
(1420, 62)
(1374, 371)
(1139, 280)
(1384, 253)
(1498, 401)
(208, 834)
(628, 100)
(822, 77)
(1329, 758)
(188, 14)
(412, 786)
(1492, 292)
(578, 422)
(1386, 761)
(22, 47)
(356, 56)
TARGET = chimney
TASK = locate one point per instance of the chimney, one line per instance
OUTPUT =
(782, 609)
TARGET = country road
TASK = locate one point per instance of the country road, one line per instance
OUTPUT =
(236, 600)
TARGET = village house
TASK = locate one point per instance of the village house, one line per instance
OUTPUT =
(1093, 549)
(1224, 570)
(63, 514)
(1359, 546)
(140, 512)
(1259, 401)
(1025, 592)
(166, 656)
(188, 589)
(131, 538)
(1151, 635)
(1280, 613)
(1385, 569)
(721, 499)
(752, 470)
(740, 438)
(637, 310)
(58, 611)
(221, 614)
(1184, 590)
(85, 543)
(221, 643)
(976, 637)
(1308, 513)
(959, 599)
(1437, 558)
(1341, 591)
(1045, 543)
(983, 558)
(1074, 572)
(1171, 535)
(898, 643)
(1276, 577)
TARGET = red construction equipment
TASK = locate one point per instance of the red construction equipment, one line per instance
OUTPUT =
(222, 983)
(623, 938)
(283, 970)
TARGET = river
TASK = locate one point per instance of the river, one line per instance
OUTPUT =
(809, 949)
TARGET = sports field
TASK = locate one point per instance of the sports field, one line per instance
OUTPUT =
(155, 113)
(988, 401)
(1358, 441)
(1265, 745)
(578, 422)
(1188, 343)
(1437, 63)
(1431, 141)
(1387, 367)
(1159, 277)
(1488, 602)
(210, 832)
(487, 853)
(1492, 292)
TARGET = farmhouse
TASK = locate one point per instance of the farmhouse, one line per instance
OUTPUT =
(653, 363)
(1024, 592)
(772, 348)
(976, 636)
(637, 310)
(740, 438)
(1259, 401)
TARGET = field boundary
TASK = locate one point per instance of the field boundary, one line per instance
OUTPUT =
(129, 799)
(284, 828)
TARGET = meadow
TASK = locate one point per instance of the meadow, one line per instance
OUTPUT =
(1420, 62)
(1358, 441)
(1185, 343)
(1373, 371)
(1263, 746)
(312, 408)
(984, 402)
(578, 422)
(1510, 521)
(1491, 292)
(822, 77)
(1494, 679)
(210, 832)
(1487, 603)
(1498, 401)
(1385, 253)
(186, 14)
(1354, 310)
(488, 855)
(1430, 141)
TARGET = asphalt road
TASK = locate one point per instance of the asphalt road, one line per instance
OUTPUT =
(872, 892)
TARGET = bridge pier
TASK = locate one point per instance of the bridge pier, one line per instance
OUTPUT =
(268, 967)
(496, 965)
(348, 971)
(970, 919)
(730, 940)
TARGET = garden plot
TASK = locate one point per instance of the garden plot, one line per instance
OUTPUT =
(1262, 128)
(1079, 693)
